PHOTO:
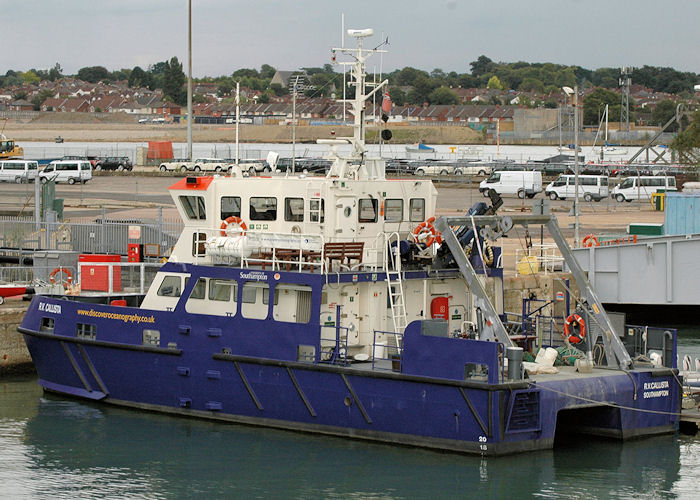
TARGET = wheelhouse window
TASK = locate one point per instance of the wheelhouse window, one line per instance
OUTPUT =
(263, 208)
(393, 210)
(367, 210)
(194, 207)
(294, 209)
(171, 286)
(230, 207)
(417, 210)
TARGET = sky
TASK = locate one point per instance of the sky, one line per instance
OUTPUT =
(291, 34)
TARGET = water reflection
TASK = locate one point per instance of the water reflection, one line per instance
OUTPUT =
(53, 447)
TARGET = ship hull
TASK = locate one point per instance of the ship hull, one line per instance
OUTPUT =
(201, 369)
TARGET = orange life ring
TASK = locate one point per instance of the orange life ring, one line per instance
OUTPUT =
(426, 230)
(233, 220)
(590, 240)
(64, 270)
(570, 329)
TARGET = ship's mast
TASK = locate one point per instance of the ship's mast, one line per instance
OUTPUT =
(358, 80)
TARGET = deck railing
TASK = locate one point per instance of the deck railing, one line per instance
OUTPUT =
(387, 348)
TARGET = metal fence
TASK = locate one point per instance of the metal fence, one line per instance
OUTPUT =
(95, 235)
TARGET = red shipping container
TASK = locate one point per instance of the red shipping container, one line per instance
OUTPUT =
(96, 278)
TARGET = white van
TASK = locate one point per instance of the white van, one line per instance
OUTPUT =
(521, 182)
(18, 171)
(70, 171)
(642, 187)
(590, 187)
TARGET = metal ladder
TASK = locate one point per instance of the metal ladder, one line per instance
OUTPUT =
(394, 283)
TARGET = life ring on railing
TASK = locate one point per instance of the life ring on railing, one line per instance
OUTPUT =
(590, 240)
(426, 231)
(64, 270)
(487, 252)
(230, 221)
(575, 328)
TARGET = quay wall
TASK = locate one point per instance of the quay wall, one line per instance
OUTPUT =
(14, 356)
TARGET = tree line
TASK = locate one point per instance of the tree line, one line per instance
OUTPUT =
(408, 86)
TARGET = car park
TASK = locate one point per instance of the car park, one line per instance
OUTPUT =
(119, 163)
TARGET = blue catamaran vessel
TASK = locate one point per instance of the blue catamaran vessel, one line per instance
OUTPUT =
(339, 305)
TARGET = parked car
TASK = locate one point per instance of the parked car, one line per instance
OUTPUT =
(211, 165)
(642, 187)
(590, 187)
(18, 171)
(114, 163)
(472, 168)
(428, 167)
(521, 183)
(70, 171)
(181, 165)
(92, 159)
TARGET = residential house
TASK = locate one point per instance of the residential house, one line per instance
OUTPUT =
(21, 105)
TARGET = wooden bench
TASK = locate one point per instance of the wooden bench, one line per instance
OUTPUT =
(343, 252)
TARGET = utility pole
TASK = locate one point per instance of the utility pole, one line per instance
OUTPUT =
(238, 116)
(576, 221)
(294, 122)
(189, 81)
(625, 81)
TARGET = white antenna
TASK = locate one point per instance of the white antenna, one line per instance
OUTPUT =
(357, 66)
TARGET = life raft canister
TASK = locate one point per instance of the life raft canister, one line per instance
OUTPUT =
(575, 328)
(426, 230)
(237, 222)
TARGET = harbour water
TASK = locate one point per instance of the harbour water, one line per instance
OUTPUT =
(52, 447)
